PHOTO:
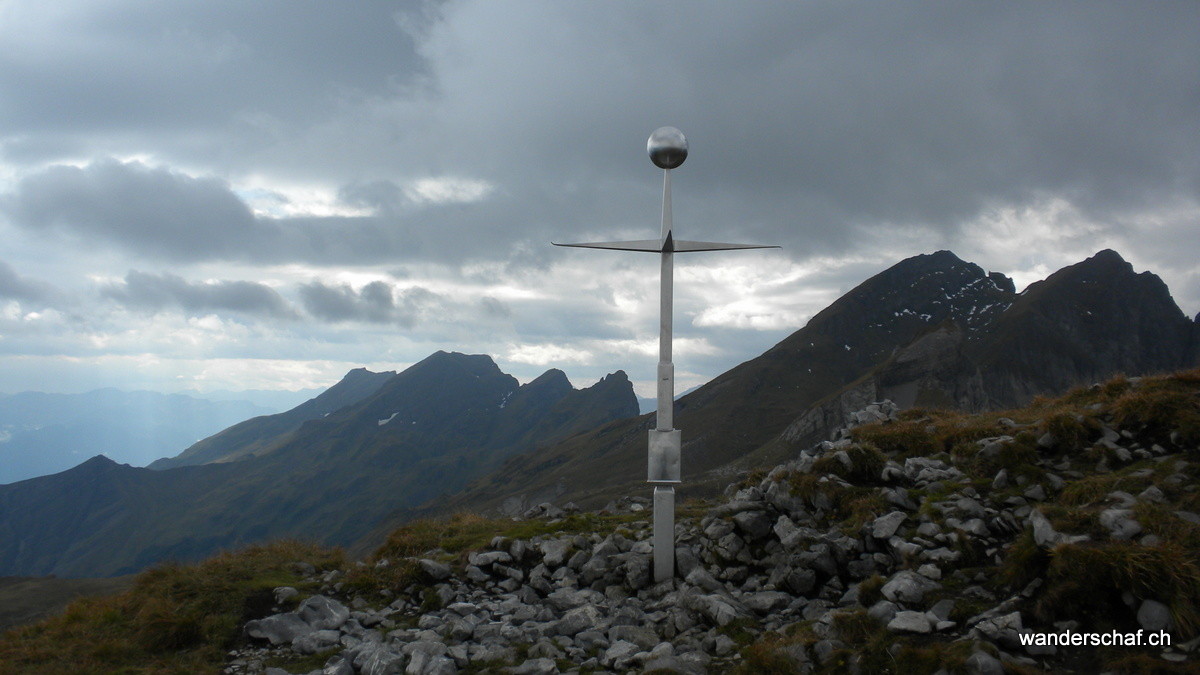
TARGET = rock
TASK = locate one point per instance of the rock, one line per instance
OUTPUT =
(800, 581)
(766, 602)
(1152, 494)
(685, 561)
(641, 636)
(280, 629)
(619, 654)
(930, 571)
(427, 656)
(321, 612)
(1155, 616)
(982, 663)
(1045, 536)
(316, 641)
(716, 609)
(885, 526)
(701, 578)
(578, 619)
(976, 527)
(434, 570)
(542, 666)
(284, 593)
(1035, 493)
(941, 610)
(755, 525)
(1120, 523)
(338, 664)
(554, 552)
(380, 661)
(489, 558)
(909, 622)
(907, 587)
(883, 611)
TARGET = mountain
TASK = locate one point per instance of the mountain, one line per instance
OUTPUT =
(260, 433)
(423, 432)
(43, 433)
(931, 331)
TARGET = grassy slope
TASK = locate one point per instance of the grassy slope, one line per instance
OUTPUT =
(25, 600)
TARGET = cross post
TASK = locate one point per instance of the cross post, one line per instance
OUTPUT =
(667, 148)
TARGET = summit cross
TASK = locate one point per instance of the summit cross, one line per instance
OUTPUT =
(667, 148)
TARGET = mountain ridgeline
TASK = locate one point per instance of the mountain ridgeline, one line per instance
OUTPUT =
(398, 441)
(931, 331)
(454, 433)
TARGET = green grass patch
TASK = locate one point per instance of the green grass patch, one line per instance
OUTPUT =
(902, 438)
(175, 619)
(866, 463)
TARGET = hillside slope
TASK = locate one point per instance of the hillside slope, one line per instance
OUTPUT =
(260, 434)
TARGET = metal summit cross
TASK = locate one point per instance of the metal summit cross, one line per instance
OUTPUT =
(667, 148)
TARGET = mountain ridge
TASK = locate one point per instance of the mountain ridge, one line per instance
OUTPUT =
(931, 330)
(339, 472)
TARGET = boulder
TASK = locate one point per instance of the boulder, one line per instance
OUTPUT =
(280, 629)
(322, 612)
(907, 587)
(1155, 616)
(909, 622)
(885, 526)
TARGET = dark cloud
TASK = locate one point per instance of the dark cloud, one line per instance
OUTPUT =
(193, 72)
(376, 302)
(494, 309)
(157, 292)
(807, 121)
(16, 287)
(149, 210)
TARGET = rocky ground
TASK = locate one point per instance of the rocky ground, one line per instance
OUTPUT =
(916, 542)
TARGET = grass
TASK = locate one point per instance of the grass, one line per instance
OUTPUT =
(1160, 407)
(852, 506)
(25, 600)
(175, 619)
(1085, 582)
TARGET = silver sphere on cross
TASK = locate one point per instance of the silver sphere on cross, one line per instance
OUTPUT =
(667, 147)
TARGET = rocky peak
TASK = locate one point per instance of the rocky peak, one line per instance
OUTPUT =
(96, 464)
(906, 299)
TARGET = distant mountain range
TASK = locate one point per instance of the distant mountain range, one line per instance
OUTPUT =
(46, 433)
(454, 433)
(330, 469)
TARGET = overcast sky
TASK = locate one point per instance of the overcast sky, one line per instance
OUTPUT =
(246, 195)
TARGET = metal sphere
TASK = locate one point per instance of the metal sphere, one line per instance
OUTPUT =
(667, 147)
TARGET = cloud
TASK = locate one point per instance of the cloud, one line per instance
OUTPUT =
(311, 146)
(16, 287)
(145, 209)
(194, 73)
(375, 302)
(156, 292)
